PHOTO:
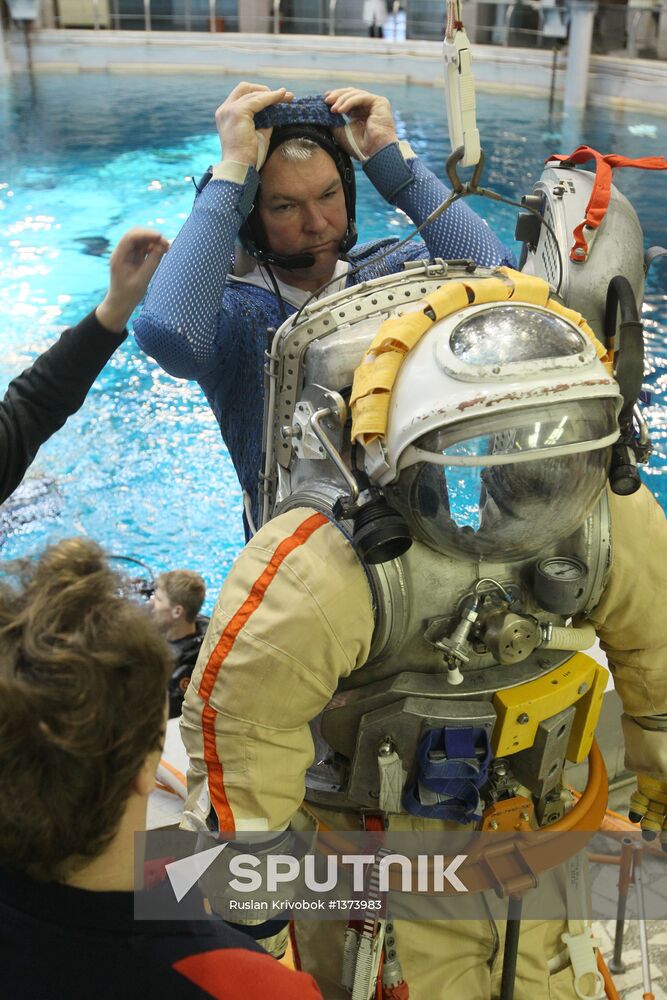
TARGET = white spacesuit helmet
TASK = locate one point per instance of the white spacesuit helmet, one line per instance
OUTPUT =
(498, 433)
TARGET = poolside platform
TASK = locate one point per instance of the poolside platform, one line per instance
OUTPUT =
(614, 81)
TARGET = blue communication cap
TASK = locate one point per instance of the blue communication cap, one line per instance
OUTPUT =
(301, 111)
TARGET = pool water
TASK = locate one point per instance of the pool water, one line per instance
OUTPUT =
(142, 467)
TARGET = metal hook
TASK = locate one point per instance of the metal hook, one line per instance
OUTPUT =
(469, 187)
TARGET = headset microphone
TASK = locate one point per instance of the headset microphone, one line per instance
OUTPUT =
(288, 262)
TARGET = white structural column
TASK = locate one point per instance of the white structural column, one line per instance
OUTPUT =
(4, 61)
(582, 13)
(255, 15)
(662, 32)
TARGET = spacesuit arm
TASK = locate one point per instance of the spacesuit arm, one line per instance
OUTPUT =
(293, 617)
(184, 324)
(632, 627)
(402, 179)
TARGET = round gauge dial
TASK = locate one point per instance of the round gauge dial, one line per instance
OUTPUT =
(559, 584)
(562, 568)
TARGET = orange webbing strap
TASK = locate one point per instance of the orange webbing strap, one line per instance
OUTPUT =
(292, 958)
(601, 193)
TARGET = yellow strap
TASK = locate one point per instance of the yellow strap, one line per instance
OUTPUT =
(449, 298)
(578, 320)
(379, 374)
(654, 789)
(370, 417)
(489, 290)
(400, 332)
(527, 287)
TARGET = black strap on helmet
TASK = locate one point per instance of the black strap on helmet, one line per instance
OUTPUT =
(252, 234)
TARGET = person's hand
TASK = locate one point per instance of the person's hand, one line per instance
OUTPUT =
(371, 120)
(648, 807)
(133, 263)
(235, 120)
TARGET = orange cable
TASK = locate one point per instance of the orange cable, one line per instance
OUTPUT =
(609, 988)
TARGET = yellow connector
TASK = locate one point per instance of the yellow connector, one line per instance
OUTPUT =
(580, 682)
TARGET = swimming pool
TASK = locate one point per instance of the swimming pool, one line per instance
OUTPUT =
(142, 468)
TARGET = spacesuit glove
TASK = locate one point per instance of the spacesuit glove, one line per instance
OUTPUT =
(648, 807)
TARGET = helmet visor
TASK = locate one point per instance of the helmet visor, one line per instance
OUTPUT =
(507, 493)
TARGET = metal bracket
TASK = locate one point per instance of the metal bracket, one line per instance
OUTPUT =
(305, 442)
(509, 870)
(315, 420)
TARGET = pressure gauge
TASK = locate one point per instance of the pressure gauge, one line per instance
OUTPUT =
(559, 584)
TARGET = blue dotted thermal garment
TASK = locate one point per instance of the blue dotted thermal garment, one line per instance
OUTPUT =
(197, 325)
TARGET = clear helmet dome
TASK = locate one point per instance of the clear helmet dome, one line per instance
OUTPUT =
(485, 498)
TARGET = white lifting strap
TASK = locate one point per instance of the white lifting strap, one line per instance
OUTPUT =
(460, 87)
(392, 779)
(580, 942)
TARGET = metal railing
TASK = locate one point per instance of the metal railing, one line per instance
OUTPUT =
(630, 28)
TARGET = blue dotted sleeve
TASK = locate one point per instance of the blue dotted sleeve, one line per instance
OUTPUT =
(186, 324)
(458, 233)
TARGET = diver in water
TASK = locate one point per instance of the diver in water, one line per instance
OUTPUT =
(285, 189)
(39, 401)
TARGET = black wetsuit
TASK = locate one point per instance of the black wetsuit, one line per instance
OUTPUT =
(39, 401)
(185, 652)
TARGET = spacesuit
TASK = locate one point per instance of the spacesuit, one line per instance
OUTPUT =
(446, 556)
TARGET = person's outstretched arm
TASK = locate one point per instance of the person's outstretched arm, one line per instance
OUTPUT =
(403, 180)
(39, 401)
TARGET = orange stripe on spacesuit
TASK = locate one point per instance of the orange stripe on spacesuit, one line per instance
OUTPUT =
(222, 649)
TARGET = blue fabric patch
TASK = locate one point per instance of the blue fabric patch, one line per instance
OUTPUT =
(453, 766)
(301, 111)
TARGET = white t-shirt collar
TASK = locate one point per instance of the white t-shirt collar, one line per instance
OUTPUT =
(294, 296)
